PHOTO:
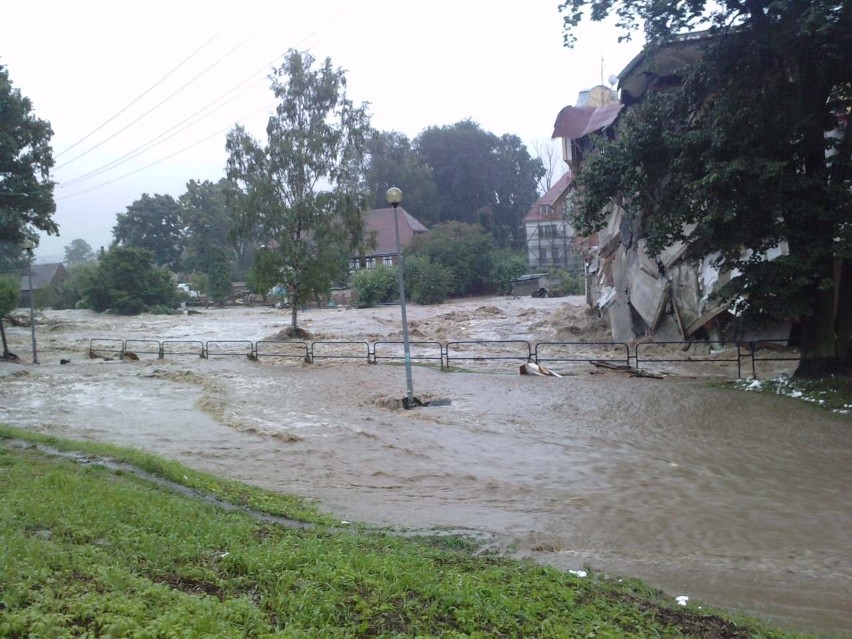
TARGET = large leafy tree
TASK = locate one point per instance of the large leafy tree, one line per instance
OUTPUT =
(153, 223)
(393, 161)
(753, 151)
(206, 223)
(26, 191)
(78, 251)
(303, 187)
(481, 178)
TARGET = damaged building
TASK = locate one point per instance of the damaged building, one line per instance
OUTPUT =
(667, 296)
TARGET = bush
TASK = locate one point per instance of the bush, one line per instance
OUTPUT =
(465, 249)
(506, 265)
(128, 283)
(563, 283)
(10, 293)
(375, 286)
(69, 294)
(427, 282)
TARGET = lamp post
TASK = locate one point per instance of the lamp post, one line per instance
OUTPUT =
(28, 247)
(394, 197)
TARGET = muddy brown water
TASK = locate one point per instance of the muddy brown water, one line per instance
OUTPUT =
(740, 501)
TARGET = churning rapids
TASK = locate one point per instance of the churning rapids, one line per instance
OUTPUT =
(739, 500)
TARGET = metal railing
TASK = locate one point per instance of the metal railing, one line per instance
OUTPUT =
(418, 351)
(183, 347)
(106, 345)
(779, 350)
(281, 348)
(588, 352)
(144, 347)
(720, 355)
(323, 353)
(717, 353)
(229, 348)
(466, 347)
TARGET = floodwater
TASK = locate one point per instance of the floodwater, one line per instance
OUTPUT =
(738, 500)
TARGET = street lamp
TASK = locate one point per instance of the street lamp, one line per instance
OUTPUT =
(394, 197)
(28, 247)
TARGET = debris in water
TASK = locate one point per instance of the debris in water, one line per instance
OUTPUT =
(682, 600)
(531, 368)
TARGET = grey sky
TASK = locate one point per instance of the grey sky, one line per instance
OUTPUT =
(417, 64)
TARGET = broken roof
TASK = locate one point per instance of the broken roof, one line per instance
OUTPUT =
(574, 123)
(660, 61)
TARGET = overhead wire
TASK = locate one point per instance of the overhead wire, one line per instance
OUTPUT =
(162, 102)
(163, 159)
(163, 137)
(141, 95)
(156, 141)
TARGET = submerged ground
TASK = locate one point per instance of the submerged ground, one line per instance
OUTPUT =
(741, 500)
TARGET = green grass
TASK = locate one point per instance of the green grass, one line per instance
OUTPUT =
(86, 551)
(230, 491)
(830, 393)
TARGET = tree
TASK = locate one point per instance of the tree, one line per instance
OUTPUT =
(153, 223)
(26, 191)
(481, 178)
(78, 252)
(392, 161)
(70, 292)
(750, 153)
(128, 282)
(10, 291)
(465, 249)
(316, 140)
(550, 156)
(219, 275)
(206, 222)
(515, 190)
(266, 272)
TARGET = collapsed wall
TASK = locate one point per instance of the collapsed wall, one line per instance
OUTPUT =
(667, 297)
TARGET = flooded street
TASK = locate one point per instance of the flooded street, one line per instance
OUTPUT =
(739, 500)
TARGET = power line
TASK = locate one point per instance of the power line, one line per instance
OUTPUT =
(163, 159)
(162, 102)
(157, 140)
(141, 95)
(163, 137)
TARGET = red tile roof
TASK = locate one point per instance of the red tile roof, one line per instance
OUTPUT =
(549, 199)
(380, 222)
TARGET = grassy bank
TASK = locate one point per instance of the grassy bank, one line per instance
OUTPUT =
(829, 393)
(92, 551)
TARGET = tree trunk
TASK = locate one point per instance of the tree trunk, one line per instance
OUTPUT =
(843, 318)
(3, 335)
(293, 311)
(825, 345)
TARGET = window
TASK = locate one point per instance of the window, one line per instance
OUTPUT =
(387, 260)
(544, 209)
(547, 231)
(542, 256)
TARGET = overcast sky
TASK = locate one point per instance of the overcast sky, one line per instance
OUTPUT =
(156, 85)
